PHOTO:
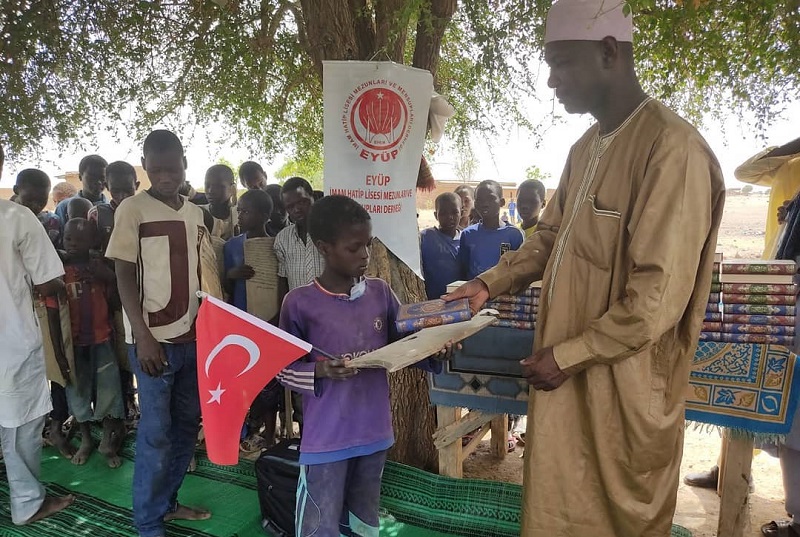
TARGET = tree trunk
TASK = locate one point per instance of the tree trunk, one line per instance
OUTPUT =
(412, 415)
(349, 30)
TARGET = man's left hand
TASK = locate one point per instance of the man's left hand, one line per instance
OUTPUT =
(541, 370)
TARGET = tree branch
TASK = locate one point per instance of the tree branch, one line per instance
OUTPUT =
(432, 24)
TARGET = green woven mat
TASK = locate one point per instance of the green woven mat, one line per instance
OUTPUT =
(465, 507)
(415, 503)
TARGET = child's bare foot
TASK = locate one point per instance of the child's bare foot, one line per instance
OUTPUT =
(51, 506)
(187, 513)
(86, 447)
(113, 435)
(59, 441)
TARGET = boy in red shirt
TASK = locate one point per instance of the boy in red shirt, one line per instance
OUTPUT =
(88, 282)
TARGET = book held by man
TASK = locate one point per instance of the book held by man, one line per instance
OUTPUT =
(436, 312)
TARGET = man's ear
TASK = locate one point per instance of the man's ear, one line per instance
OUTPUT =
(502, 202)
(136, 185)
(544, 204)
(16, 190)
(185, 164)
(609, 48)
(144, 166)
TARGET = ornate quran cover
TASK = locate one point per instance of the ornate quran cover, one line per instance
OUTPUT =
(745, 266)
(768, 300)
(772, 320)
(760, 309)
(432, 313)
(775, 330)
(759, 288)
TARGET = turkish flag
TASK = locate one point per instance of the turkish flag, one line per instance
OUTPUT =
(237, 355)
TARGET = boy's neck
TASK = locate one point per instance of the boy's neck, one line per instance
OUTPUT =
(450, 232)
(79, 257)
(220, 210)
(492, 222)
(527, 224)
(91, 197)
(256, 232)
(335, 282)
(174, 202)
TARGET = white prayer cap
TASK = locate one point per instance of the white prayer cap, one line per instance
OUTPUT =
(588, 20)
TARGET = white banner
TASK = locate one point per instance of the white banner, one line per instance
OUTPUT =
(375, 120)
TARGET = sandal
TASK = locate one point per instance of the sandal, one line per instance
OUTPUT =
(779, 528)
(253, 444)
(520, 439)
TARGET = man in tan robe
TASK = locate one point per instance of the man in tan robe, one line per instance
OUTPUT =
(625, 251)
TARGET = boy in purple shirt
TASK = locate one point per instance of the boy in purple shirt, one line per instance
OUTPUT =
(348, 422)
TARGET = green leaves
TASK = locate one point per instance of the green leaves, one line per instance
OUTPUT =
(69, 68)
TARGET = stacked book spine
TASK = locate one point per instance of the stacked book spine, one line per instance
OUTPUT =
(758, 304)
(713, 319)
(517, 311)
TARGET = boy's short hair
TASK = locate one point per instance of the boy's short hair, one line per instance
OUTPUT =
(534, 184)
(161, 141)
(221, 170)
(65, 190)
(494, 185)
(33, 178)
(80, 224)
(293, 183)
(91, 160)
(250, 168)
(466, 189)
(120, 169)
(78, 204)
(332, 213)
(447, 196)
(260, 200)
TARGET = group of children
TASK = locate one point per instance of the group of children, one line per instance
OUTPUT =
(140, 253)
(471, 236)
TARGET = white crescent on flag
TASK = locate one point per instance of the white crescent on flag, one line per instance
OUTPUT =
(240, 341)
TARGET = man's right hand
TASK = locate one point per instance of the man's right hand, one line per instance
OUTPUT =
(151, 356)
(475, 290)
(782, 211)
(243, 272)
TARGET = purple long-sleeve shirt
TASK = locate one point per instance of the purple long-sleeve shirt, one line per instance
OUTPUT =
(342, 418)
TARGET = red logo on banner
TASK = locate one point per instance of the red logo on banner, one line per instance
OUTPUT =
(237, 355)
(377, 120)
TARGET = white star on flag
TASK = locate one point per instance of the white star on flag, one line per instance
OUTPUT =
(380, 95)
(216, 395)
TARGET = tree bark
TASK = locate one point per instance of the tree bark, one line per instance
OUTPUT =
(413, 416)
(430, 31)
(355, 30)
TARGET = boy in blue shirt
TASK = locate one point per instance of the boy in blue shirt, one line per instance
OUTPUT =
(439, 246)
(482, 244)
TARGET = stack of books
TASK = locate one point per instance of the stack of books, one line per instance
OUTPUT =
(713, 320)
(759, 301)
(517, 311)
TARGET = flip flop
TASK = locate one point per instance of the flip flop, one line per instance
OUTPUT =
(779, 528)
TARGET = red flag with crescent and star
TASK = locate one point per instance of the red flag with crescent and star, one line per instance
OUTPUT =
(237, 355)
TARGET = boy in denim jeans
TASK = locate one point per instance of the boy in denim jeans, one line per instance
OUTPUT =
(155, 245)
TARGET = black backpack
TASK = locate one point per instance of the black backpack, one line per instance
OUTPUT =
(277, 473)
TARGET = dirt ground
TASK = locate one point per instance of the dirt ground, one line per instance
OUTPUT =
(741, 236)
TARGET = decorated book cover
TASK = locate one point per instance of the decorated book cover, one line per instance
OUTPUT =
(432, 313)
